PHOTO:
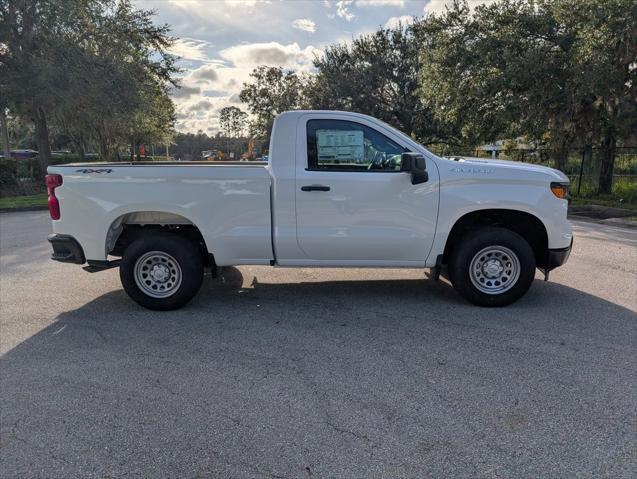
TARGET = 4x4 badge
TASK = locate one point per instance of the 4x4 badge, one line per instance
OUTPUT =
(89, 170)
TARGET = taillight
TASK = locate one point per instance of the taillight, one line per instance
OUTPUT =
(52, 182)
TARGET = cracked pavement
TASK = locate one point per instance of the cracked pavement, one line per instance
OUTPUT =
(296, 373)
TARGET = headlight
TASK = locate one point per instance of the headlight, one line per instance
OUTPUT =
(560, 190)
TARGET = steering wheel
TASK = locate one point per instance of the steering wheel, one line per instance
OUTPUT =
(379, 162)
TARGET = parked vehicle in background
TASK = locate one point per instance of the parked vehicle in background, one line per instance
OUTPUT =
(22, 154)
(208, 154)
(342, 189)
(60, 153)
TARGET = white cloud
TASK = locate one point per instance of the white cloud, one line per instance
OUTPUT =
(204, 74)
(438, 6)
(403, 20)
(272, 53)
(380, 3)
(222, 41)
(343, 11)
(304, 24)
(245, 3)
(185, 91)
(190, 49)
(209, 87)
(199, 113)
(201, 106)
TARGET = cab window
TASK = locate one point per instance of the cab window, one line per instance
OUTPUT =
(349, 146)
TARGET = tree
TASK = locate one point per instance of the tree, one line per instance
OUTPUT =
(556, 72)
(238, 122)
(375, 74)
(496, 72)
(86, 64)
(29, 78)
(152, 121)
(603, 72)
(232, 121)
(225, 122)
(272, 91)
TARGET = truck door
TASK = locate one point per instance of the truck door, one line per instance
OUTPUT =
(353, 204)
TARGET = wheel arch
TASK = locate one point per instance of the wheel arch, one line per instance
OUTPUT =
(126, 227)
(527, 225)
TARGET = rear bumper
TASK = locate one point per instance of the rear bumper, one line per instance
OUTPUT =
(66, 249)
(557, 257)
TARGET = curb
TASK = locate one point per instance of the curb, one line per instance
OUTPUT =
(618, 222)
(601, 212)
(24, 208)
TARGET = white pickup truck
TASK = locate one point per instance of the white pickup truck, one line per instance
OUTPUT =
(341, 190)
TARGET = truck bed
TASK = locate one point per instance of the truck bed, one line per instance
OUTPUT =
(229, 203)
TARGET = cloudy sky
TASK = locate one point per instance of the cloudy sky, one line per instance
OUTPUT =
(221, 41)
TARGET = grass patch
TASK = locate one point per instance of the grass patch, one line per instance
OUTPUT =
(624, 193)
(23, 201)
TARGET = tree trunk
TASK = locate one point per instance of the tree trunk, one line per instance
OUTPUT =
(607, 157)
(132, 150)
(5, 133)
(104, 155)
(80, 151)
(561, 155)
(42, 134)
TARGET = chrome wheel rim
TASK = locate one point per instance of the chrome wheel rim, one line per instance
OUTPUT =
(157, 274)
(494, 269)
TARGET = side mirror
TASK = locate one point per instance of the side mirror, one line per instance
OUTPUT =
(415, 164)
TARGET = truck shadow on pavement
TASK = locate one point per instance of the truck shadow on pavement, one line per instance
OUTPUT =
(396, 378)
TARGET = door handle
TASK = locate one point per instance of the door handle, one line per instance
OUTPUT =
(315, 188)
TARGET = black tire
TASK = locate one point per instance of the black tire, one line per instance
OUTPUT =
(188, 262)
(470, 245)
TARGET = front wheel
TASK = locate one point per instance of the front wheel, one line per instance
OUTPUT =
(492, 267)
(161, 271)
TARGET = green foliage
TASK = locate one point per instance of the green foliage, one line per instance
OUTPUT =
(375, 74)
(12, 171)
(272, 91)
(232, 121)
(495, 73)
(623, 194)
(8, 171)
(559, 72)
(96, 70)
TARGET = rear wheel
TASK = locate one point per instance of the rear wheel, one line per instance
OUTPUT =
(161, 271)
(492, 267)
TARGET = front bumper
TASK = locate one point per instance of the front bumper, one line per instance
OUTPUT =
(66, 249)
(557, 257)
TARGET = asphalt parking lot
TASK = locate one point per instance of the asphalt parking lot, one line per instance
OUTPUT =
(293, 373)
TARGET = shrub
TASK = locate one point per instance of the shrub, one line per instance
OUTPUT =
(8, 171)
